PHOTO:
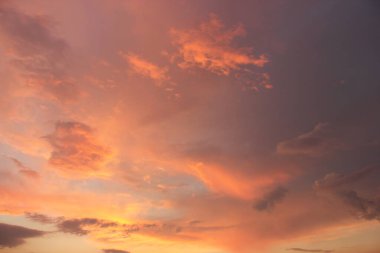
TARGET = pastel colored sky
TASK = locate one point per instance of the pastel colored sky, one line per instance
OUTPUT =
(178, 126)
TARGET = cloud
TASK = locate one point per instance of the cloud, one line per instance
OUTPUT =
(24, 170)
(317, 142)
(210, 47)
(41, 218)
(311, 250)
(12, 236)
(87, 226)
(107, 230)
(241, 183)
(114, 251)
(83, 226)
(338, 181)
(270, 199)
(365, 208)
(75, 149)
(36, 53)
(145, 68)
(356, 190)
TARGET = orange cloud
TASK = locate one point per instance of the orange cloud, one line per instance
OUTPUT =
(145, 68)
(76, 150)
(36, 53)
(321, 140)
(24, 170)
(210, 47)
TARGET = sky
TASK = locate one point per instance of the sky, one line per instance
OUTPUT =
(218, 126)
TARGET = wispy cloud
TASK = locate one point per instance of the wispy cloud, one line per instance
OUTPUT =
(41, 218)
(146, 68)
(352, 190)
(210, 47)
(311, 250)
(270, 199)
(83, 226)
(340, 181)
(37, 53)
(110, 230)
(114, 251)
(321, 140)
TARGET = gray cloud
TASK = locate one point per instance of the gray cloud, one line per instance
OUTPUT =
(37, 53)
(340, 181)
(311, 250)
(12, 236)
(365, 208)
(319, 141)
(83, 226)
(270, 199)
(79, 226)
(115, 251)
(75, 148)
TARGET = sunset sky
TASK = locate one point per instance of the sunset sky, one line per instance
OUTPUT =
(189, 126)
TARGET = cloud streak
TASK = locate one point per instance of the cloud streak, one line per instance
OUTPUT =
(36, 52)
(210, 47)
(114, 251)
(76, 151)
(13, 236)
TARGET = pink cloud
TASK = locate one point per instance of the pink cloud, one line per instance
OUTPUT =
(210, 47)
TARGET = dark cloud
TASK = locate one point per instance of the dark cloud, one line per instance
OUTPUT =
(77, 226)
(340, 181)
(311, 250)
(12, 236)
(75, 148)
(210, 47)
(270, 199)
(115, 251)
(24, 170)
(319, 141)
(41, 218)
(365, 208)
(36, 52)
(84, 226)
(29, 34)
